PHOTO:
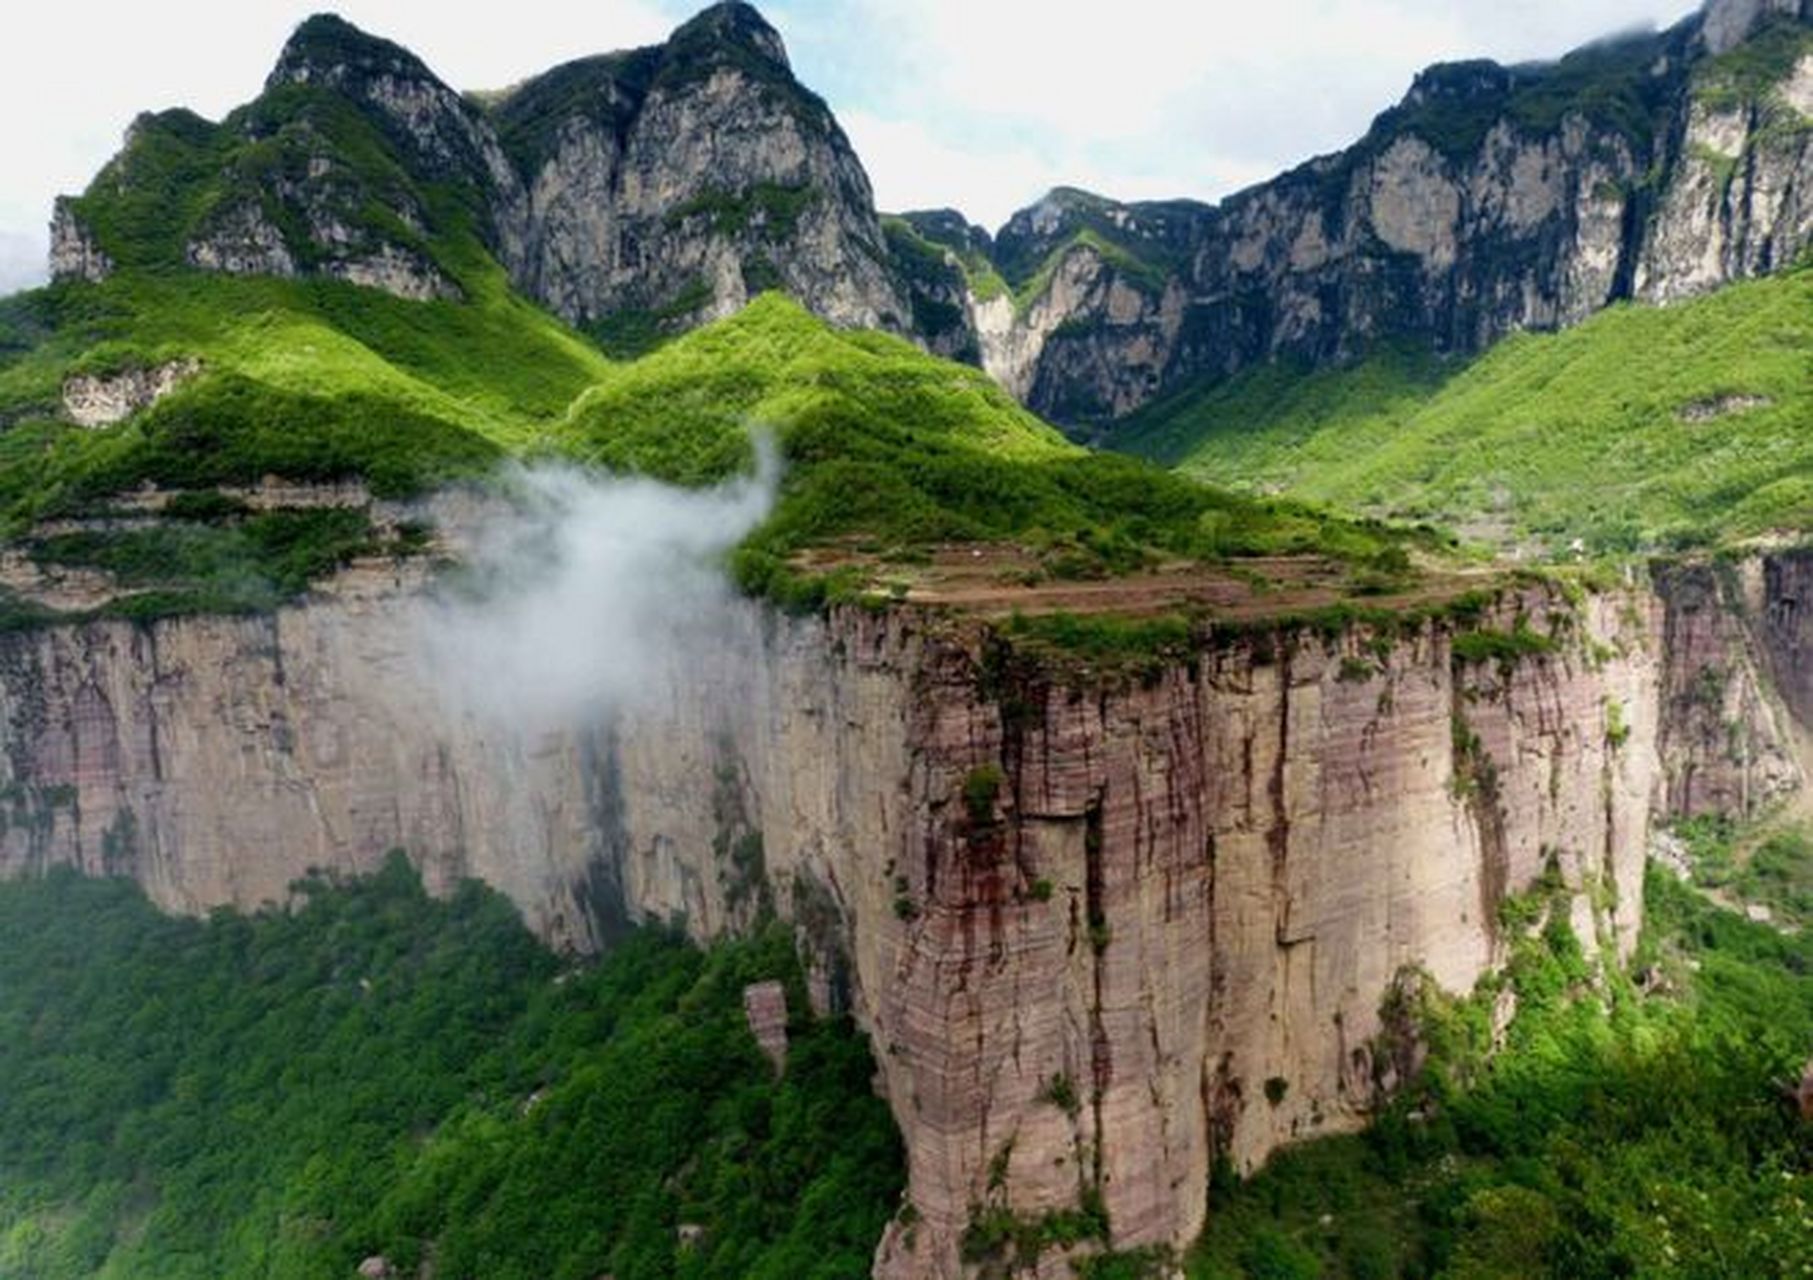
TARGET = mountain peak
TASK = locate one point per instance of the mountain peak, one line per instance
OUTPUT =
(732, 25)
(326, 48)
(1725, 24)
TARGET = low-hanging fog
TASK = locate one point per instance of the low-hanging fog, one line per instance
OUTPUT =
(589, 594)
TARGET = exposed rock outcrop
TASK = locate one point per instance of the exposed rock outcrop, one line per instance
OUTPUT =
(241, 241)
(98, 400)
(1084, 923)
(676, 182)
(653, 189)
(1731, 638)
(1491, 199)
(765, 1010)
(74, 255)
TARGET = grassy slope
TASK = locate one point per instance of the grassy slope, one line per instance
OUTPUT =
(353, 380)
(1575, 434)
(893, 449)
(379, 1072)
(320, 380)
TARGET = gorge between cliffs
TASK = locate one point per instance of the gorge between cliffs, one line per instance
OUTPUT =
(1102, 926)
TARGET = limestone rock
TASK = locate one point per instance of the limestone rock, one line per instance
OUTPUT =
(98, 400)
(241, 241)
(396, 271)
(765, 1009)
(676, 182)
(1460, 217)
(74, 255)
(1728, 738)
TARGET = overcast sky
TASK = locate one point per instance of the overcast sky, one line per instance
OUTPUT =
(980, 104)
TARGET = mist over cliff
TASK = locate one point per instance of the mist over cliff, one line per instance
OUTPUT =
(588, 593)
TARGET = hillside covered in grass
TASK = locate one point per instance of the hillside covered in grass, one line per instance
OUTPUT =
(1642, 428)
(382, 1074)
(891, 450)
(322, 382)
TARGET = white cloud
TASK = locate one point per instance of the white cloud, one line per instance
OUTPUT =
(594, 593)
(1145, 98)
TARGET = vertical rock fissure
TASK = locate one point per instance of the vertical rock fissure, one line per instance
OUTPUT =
(153, 726)
(1101, 1059)
(1279, 834)
(1475, 780)
(601, 895)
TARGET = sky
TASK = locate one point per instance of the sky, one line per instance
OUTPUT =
(978, 104)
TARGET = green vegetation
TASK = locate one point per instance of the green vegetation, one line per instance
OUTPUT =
(1105, 638)
(999, 1241)
(774, 209)
(981, 788)
(309, 380)
(1060, 1092)
(231, 566)
(1610, 82)
(918, 249)
(1135, 269)
(1631, 1124)
(1026, 262)
(320, 381)
(1745, 75)
(1503, 647)
(381, 1073)
(888, 449)
(1642, 428)
(1773, 870)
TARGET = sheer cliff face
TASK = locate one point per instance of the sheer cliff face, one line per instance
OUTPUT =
(680, 181)
(1735, 684)
(1490, 200)
(1084, 923)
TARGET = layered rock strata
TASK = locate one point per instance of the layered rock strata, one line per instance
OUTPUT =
(1101, 930)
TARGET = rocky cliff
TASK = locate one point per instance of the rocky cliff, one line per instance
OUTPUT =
(643, 192)
(1101, 929)
(634, 193)
(674, 183)
(1491, 199)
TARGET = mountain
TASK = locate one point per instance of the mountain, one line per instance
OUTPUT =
(1490, 200)
(634, 194)
(1642, 429)
(1145, 828)
(639, 194)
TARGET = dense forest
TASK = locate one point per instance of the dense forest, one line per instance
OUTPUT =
(378, 1073)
